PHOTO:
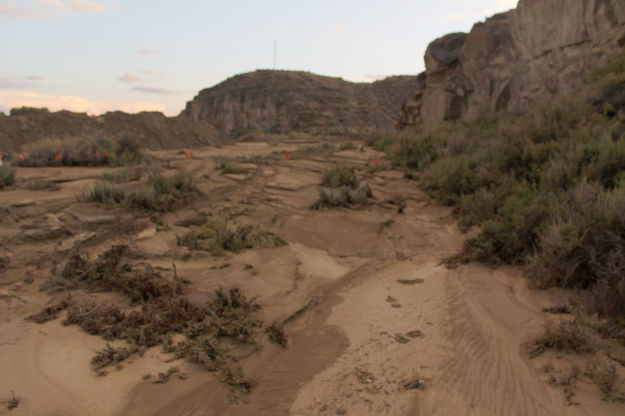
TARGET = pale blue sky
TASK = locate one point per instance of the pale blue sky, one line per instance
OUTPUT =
(102, 55)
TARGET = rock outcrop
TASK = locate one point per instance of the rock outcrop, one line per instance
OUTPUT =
(151, 129)
(288, 101)
(505, 63)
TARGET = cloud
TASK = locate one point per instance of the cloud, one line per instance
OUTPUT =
(375, 77)
(510, 4)
(90, 7)
(76, 5)
(340, 29)
(11, 84)
(50, 7)
(148, 52)
(152, 90)
(10, 9)
(13, 99)
(130, 77)
(458, 17)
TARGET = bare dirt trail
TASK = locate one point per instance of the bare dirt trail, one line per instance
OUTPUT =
(376, 324)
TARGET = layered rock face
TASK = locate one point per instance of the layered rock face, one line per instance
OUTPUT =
(152, 129)
(505, 63)
(288, 101)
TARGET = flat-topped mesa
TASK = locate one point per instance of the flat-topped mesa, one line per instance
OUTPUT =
(505, 63)
(286, 101)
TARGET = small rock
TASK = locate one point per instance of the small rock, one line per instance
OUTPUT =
(414, 385)
(410, 281)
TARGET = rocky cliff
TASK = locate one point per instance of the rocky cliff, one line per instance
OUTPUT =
(151, 129)
(287, 101)
(540, 48)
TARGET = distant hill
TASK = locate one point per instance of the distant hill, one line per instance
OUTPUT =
(151, 129)
(287, 101)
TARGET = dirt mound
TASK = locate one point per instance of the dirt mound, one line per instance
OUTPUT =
(287, 101)
(151, 129)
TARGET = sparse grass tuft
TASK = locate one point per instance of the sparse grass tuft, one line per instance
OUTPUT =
(218, 237)
(161, 194)
(122, 176)
(340, 175)
(344, 197)
(607, 379)
(49, 313)
(231, 169)
(569, 337)
(41, 185)
(348, 146)
(13, 402)
(380, 143)
(276, 334)
(103, 194)
(109, 356)
(315, 148)
(164, 194)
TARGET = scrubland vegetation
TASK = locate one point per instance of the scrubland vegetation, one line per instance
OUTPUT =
(218, 237)
(546, 188)
(163, 312)
(160, 194)
(82, 151)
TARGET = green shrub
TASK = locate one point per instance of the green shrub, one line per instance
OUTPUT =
(163, 194)
(231, 169)
(40, 185)
(546, 188)
(344, 197)
(569, 337)
(127, 152)
(82, 151)
(160, 194)
(122, 176)
(7, 176)
(218, 237)
(103, 193)
(340, 175)
(381, 144)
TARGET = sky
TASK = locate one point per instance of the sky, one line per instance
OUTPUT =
(155, 55)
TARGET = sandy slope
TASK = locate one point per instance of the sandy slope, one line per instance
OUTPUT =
(368, 306)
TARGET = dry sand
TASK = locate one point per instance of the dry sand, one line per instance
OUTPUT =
(368, 305)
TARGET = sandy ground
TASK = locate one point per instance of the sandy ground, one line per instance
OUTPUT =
(368, 307)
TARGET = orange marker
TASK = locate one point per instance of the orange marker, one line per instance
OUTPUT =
(188, 155)
(375, 161)
(0, 155)
(20, 156)
(106, 154)
(97, 153)
(58, 157)
(25, 154)
(287, 155)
